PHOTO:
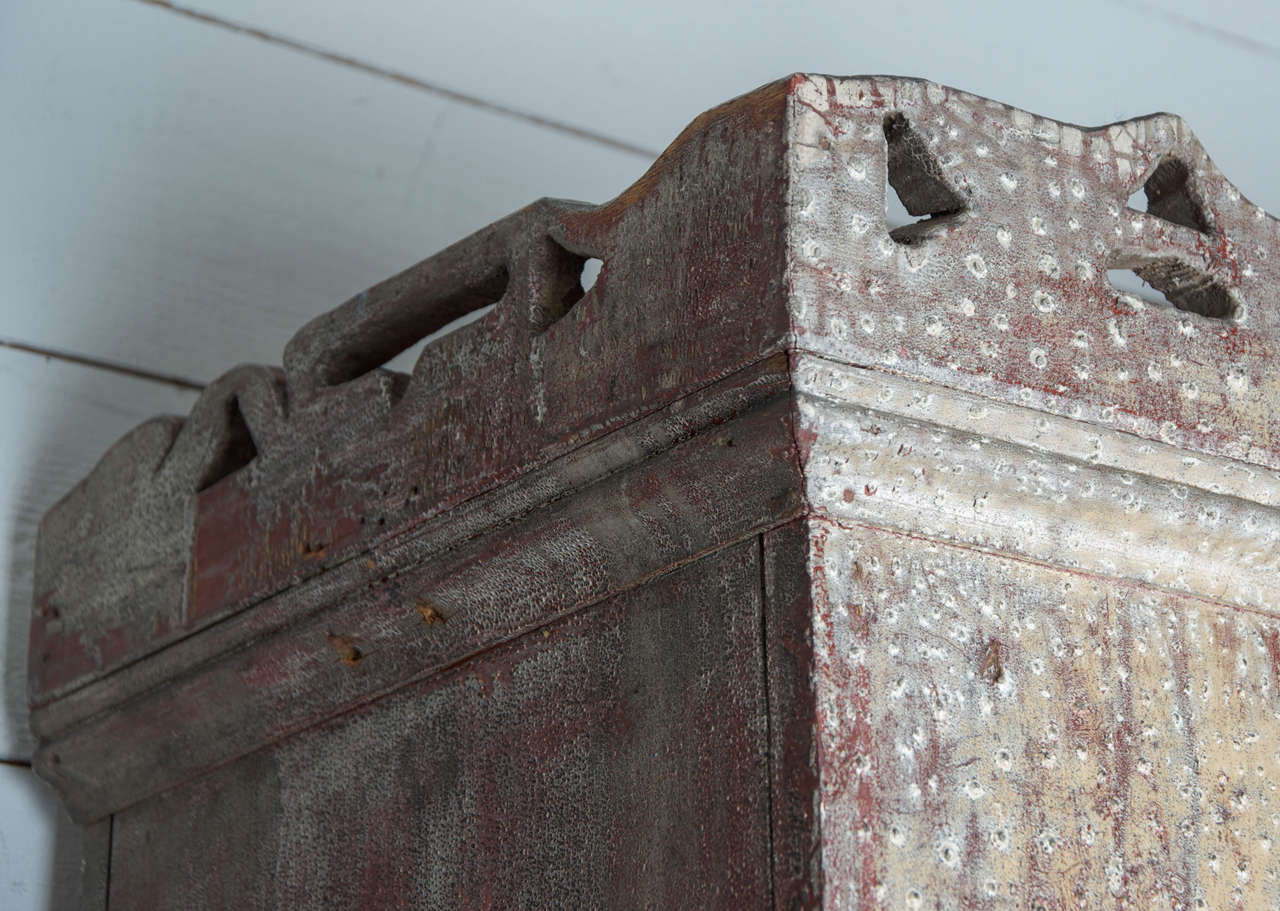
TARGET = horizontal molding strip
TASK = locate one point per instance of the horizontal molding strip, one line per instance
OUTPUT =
(903, 455)
(438, 541)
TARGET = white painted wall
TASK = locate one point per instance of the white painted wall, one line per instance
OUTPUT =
(181, 188)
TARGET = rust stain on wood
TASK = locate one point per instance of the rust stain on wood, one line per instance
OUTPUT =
(430, 613)
(346, 648)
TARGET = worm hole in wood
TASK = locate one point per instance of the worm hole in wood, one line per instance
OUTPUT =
(430, 613)
(346, 649)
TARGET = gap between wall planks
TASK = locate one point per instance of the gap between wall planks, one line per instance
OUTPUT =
(640, 72)
(1250, 26)
(403, 78)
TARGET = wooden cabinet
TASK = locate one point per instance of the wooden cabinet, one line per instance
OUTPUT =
(803, 559)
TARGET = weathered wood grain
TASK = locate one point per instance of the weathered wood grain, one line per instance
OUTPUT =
(1004, 734)
(484, 405)
(942, 453)
(948, 465)
(574, 552)
(178, 202)
(59, 418)
(1009, 295)
(439, 537)
(615, 758)
(788, 638)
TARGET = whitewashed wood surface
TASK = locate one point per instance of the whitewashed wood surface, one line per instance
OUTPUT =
(181, 187)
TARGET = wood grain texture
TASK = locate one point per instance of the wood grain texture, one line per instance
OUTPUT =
(444, 535)
(1010, 295)
(641, 71)
(615, 759)
(1003, 734)
(337, 468)
(59, 419)
(178, 200)
(788, 637)
(507, 583)
(182, 199)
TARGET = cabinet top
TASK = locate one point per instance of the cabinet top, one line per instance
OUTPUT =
(763, 231)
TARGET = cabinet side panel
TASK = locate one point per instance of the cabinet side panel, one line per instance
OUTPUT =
(616, 758)
(1002, 734)
(788, 636)
(211, 846)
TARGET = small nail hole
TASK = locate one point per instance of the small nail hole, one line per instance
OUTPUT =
(430, 613)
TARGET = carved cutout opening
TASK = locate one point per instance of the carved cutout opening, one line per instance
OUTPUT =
(590, 272)
(916, 185)
(236, 450)
(1170, 196)
(569, 277)
(403, 363)
(1126, 281)
(1168, 282)
(463, 306)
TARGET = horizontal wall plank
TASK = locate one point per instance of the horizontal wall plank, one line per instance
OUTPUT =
(59, 418)
(181, 198)
(1252, 25)
(641, 71)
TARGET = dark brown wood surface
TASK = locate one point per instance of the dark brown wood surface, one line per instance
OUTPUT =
(572, 552)
(337, 463)
(614, 758)
(788, 638)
